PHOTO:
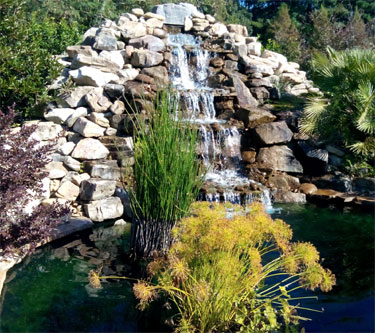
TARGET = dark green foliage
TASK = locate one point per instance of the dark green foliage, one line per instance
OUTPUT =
(27, 43)
(286, 36)
(347, 112)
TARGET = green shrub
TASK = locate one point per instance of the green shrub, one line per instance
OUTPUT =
(347, 111)
(166, 174)
(217, 275)
(27, 43)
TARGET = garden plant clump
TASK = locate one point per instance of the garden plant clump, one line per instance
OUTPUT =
(346, 114)
(21, 174)
(167, 174)
(231, 269)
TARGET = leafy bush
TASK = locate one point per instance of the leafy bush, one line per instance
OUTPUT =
(21, 174)
(347, 111)
(231, 270)
(27, 43)
(166, 174)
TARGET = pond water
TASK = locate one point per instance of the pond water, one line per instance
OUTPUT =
(49, 291)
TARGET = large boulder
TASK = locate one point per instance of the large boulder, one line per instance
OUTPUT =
(273, 133)
(87, 128)
(146, 58)
(133, 30)
(282, 196)
(159, 73)
(96, 189)
(244, 96)
(74, 98)
(238, 29)
(59, 115)
(218, 29)
(175, 13)
(90, 149)
(148, 42)
(280, 158)
(89, 76)
(105, 61)
(253, 117)
(105, 209)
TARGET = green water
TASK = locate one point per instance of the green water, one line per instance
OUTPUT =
(49, 292)
(345, 241)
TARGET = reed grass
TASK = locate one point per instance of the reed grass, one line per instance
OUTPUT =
(167, 173)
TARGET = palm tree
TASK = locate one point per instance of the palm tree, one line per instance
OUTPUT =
(346, 112)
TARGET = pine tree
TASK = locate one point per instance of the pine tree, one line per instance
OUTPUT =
(285, 34)
(325, 30)
(355, 33)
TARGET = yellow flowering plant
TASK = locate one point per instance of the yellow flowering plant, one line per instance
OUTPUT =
(231, 269)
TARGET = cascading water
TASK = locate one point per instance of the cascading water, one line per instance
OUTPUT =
(220, 146)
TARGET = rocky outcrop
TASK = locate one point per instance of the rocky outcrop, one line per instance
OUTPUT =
(122, 64)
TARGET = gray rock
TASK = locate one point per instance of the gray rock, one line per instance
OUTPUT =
(284, 182)
(88, 76)
(107, 172)
(273, 133)
(56, 170)
(73, 225)
(254, 48)
(90, 149)
(105, 41)
(68, 191)
(79, 112)
(145, 58)
(106, 61)
(87, 128)
(77, 179)
(118, 107)
(253, 117)
(364, 185)
(175, 13)
(96, 189)
(245, 99)
(133, 30)
(46, 131)
(218, 29)
(75, 98)
(97, 101)
(159, 73)
(110, 208)
(188, 24)
(281, 196)
(99, 119)
(280, 158)
(238, 29)
(127, 74)
(148, 42)
(59, 115)
(80, 49)
(114, 90)
(137, 12)
(66, 148)
(73, 164)
(240, 49)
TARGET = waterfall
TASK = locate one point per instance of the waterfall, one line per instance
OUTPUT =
(220, 145)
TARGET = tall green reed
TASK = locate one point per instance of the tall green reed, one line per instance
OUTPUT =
(167, 173)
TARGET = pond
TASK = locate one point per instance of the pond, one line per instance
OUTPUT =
(49, 291)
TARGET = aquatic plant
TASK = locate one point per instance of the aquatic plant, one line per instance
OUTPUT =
(167, 174)
(21, 173)
(233, 271)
